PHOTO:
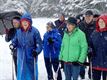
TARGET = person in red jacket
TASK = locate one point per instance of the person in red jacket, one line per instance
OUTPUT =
(99, 49)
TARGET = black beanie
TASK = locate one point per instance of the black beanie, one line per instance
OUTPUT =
(16, 17)
(72, 20)
(89, 12)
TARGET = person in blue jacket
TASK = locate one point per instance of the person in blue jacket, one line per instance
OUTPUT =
(99, 49)
(51, 49)
(29, 44)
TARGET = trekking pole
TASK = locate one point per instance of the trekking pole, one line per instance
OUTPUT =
(56, 73)
(91, 70)
(12, 67)
(34, 68)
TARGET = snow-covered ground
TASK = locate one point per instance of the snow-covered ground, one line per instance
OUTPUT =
(6, 58)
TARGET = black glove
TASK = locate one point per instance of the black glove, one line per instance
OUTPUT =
(12, 47)
(34, 53)
(86, 64)
(80, 63)
(77, 63)
(50, 40)
(62, 64)
(6, 30)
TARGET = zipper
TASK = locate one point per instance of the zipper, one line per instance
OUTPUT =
(70, 35)
(68, 45)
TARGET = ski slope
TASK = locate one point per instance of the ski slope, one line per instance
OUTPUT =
(6, 58)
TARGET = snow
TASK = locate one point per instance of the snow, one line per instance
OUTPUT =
(6, 58)
(97, 1)
(39, 7)
(106, 5)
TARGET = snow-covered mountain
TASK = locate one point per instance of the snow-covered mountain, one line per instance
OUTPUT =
(49, 8)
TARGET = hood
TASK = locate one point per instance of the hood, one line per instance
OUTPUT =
(104, 17)
(27, 16)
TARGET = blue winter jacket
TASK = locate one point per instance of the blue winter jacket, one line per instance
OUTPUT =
(99, 46)
(52, 50)
(25, 43)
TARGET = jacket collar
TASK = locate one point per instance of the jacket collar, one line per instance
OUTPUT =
(72, 31)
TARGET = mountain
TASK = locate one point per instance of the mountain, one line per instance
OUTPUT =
(50, 8)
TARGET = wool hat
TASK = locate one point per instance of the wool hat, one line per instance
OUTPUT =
(50, 24)
(89, 13)
(72, 20)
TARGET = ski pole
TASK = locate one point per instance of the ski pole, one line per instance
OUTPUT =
(56, 73)
(91, 70)
(12, 67)
(34, 68)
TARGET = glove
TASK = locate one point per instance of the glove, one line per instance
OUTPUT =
(12, 48)
(34, 53)
(81, 64)
(86, 64)
(77, 63)
(62, 64)
(6, 31)
(50, 40)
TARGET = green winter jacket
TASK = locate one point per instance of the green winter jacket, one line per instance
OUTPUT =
(74, 47)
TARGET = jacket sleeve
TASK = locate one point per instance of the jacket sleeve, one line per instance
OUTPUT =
(7, 38)
(38, 41)
(61, 50)
(84, 48)
(10, 35)
(44, 40)
(91, 48)
(57, 41)
(15, 41)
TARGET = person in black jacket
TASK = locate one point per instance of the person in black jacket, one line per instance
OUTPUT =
(10, 33)
(87, 26)
(61, 24)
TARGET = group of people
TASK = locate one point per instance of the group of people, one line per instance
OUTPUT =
(66, 45)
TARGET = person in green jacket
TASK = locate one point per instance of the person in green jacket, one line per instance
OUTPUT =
(73, 49)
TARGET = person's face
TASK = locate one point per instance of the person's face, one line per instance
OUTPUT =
(70, 27)
(16, 23)
(78, 20)
(62, 18)
(88, 18)
(25, 24)
(49, 28)
(101, 23)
